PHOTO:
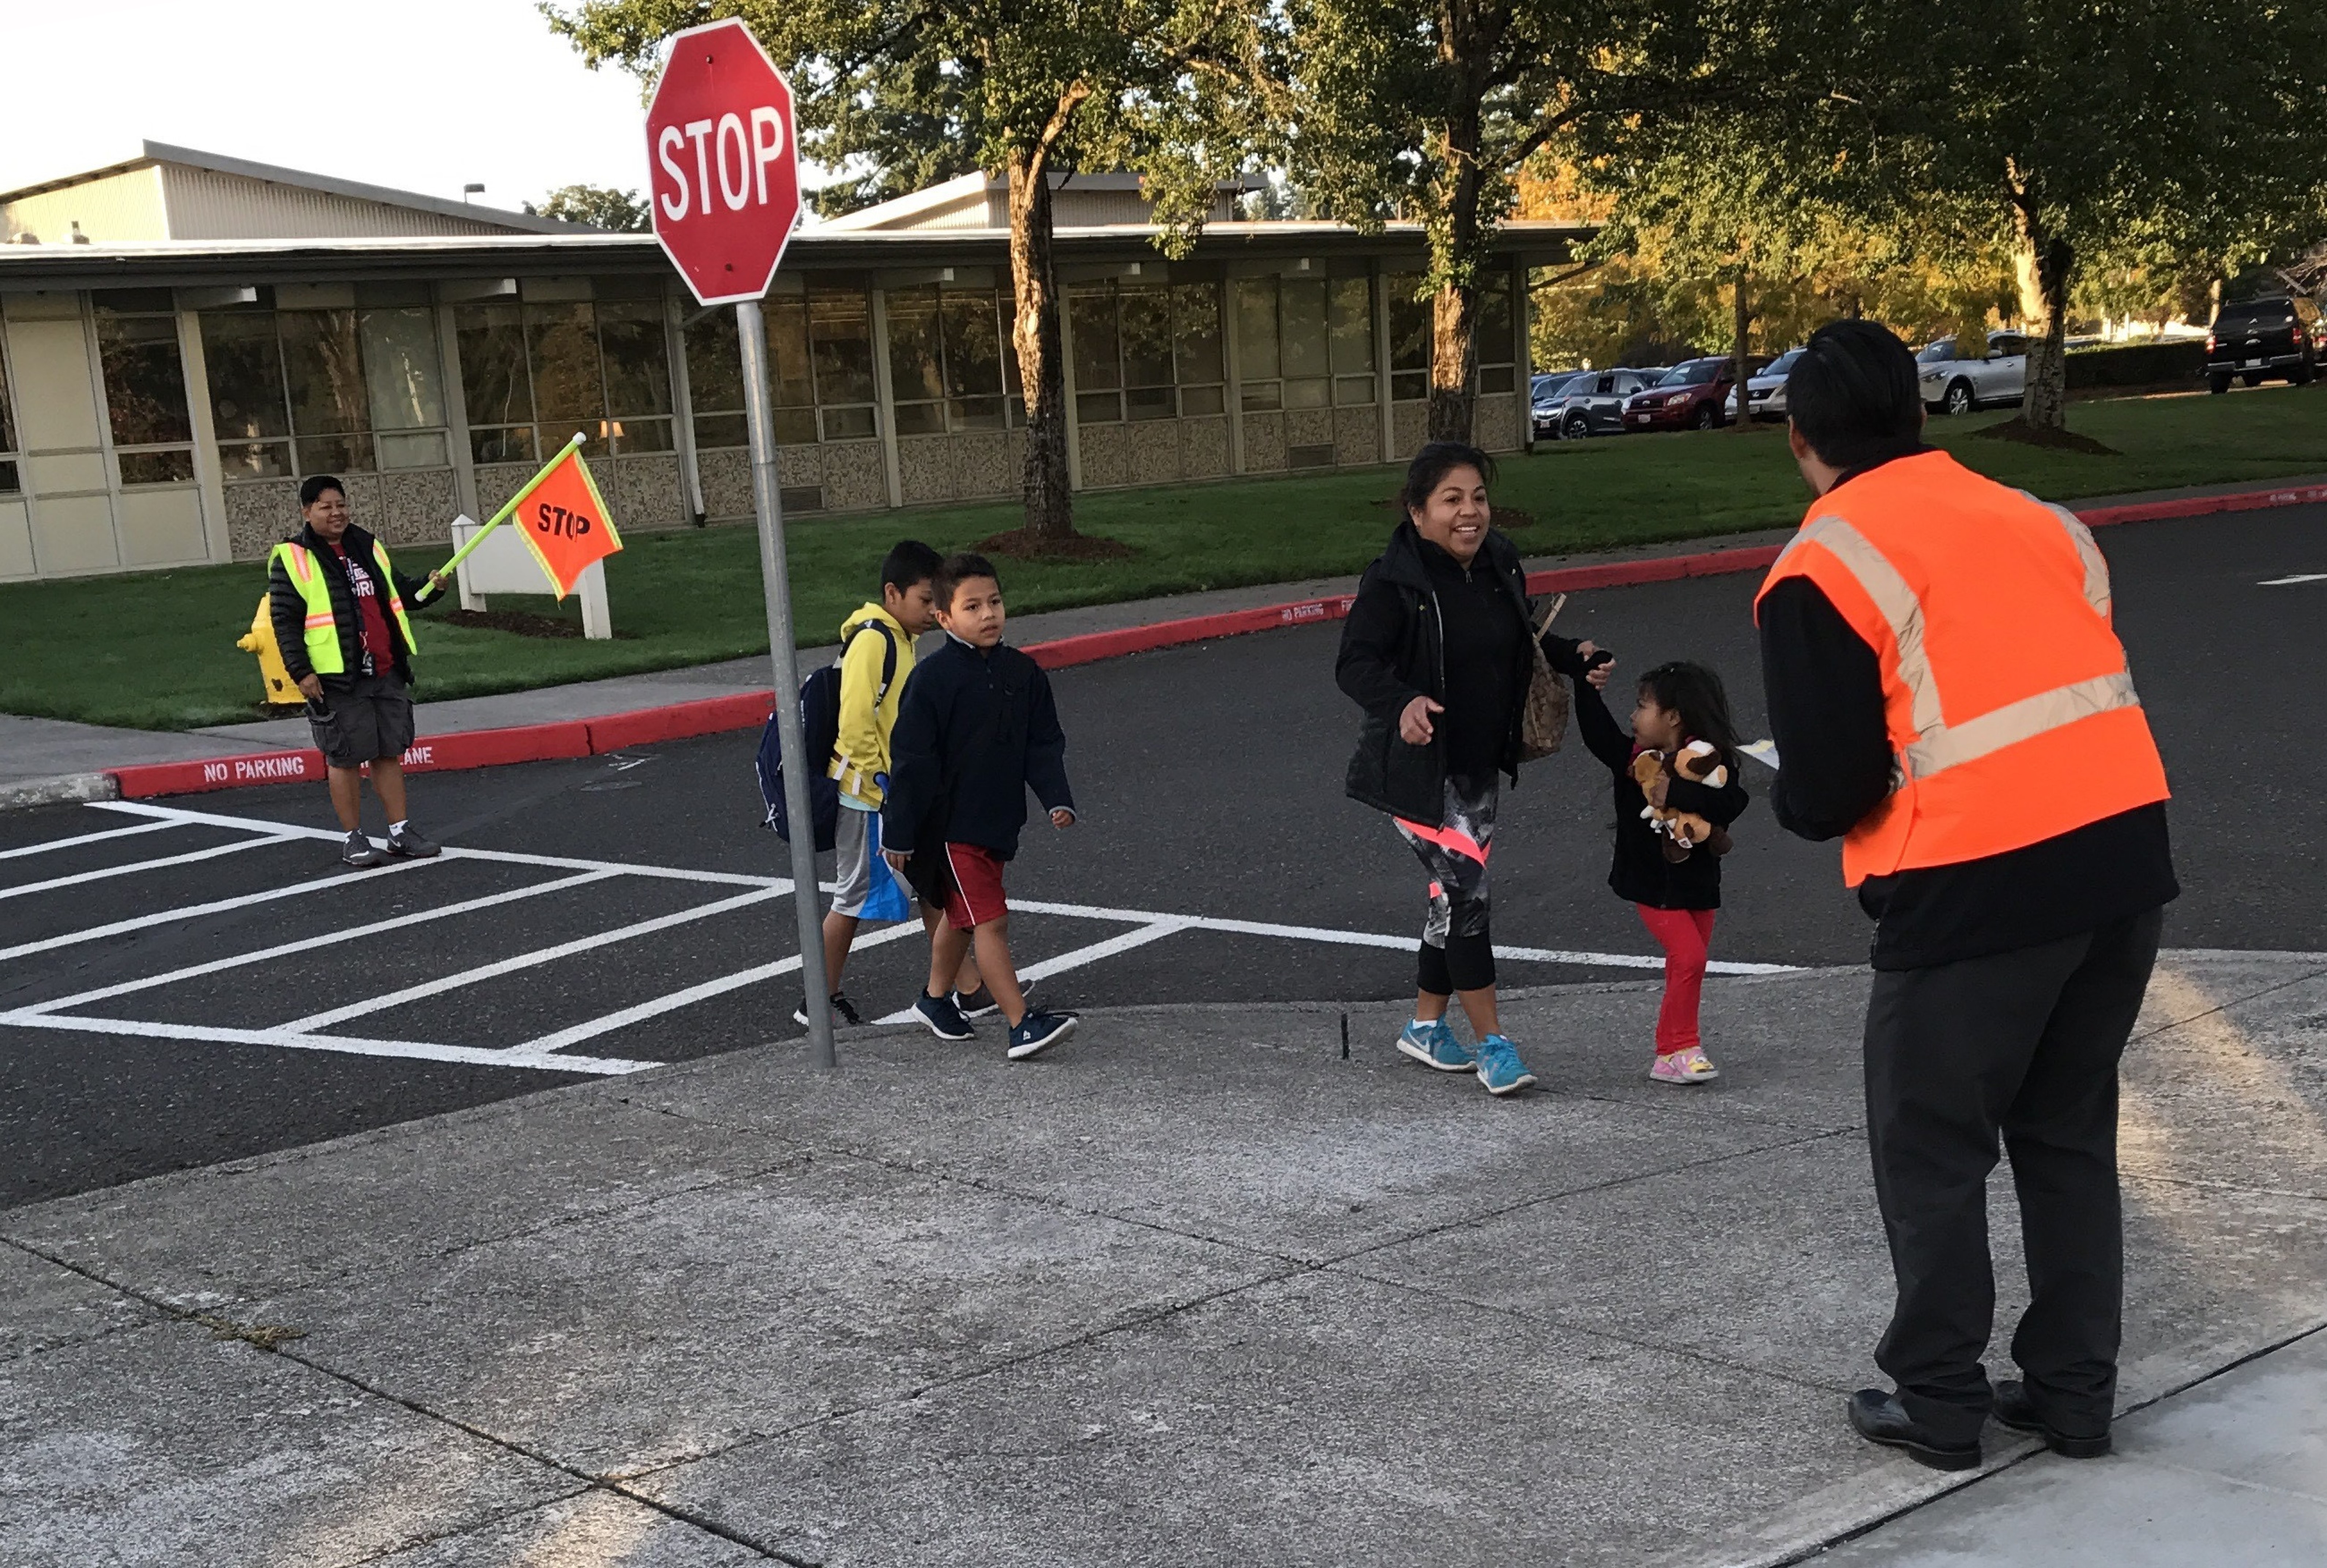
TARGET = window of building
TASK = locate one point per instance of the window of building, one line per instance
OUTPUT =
(536, 373)
(819, 362)
(1409, 338)
(946, 359)
(326, 391)
(1304, 342)
(10, 483)
(1494, 344)
(145, 386)
(1145, 350)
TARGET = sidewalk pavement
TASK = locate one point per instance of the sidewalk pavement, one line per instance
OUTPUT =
(45, 759)
(1195, 1289)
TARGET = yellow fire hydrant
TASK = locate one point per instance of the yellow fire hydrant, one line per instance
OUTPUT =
(260, 639)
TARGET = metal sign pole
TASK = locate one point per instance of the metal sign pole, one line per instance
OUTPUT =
(768, 501)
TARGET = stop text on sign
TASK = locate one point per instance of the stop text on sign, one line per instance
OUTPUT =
(741, 158)
(559, 520)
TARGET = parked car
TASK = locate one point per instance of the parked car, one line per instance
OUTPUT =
(1955, 383)
(1548, 396)
(1591, 404)
(1765, 394)
(2257, 338)
(1691, 396)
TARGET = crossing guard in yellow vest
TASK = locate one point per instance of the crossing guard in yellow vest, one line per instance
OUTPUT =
(339, 610)
(1950, 698)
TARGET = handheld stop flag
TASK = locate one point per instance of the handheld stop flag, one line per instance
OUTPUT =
(564, 520)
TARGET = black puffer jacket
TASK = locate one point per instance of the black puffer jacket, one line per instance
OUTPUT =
(289, 611)
(1393, 650)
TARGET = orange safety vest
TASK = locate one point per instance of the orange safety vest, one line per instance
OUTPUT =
(2011, 709)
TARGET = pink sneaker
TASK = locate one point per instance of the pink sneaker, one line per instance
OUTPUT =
(1687, 1066)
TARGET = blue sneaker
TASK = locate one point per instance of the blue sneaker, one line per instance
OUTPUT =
(1432, 1044)
(944, 1019)
(1500, 1067)
(1038, 1032)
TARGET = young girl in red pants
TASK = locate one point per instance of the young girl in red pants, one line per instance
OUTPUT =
(1676, 891)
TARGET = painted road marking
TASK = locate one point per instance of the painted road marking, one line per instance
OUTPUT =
(1123, 943)
(88, 838)
(419, 1049)
(304, 943)
(218, 906)
(113, 871)
(2299, 577)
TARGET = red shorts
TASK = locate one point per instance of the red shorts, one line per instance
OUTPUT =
(973, 886)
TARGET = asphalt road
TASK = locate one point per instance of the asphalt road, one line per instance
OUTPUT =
(1209, 782)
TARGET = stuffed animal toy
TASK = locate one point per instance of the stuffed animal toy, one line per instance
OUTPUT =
(1699, 763)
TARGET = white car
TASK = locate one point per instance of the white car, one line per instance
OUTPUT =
(1955, 384)
(1765, 394)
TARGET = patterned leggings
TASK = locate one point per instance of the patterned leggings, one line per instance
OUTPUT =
(1456, 953)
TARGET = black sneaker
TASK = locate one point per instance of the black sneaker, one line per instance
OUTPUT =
(405, 841)
(358, 851)
(844, 1011)
(980, 1003)
(944, 1019)
(1038, 1032)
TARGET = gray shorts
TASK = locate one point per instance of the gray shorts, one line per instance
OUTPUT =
(370, 717)
(855, 845)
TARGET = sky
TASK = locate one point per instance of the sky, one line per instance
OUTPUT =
(420, 95)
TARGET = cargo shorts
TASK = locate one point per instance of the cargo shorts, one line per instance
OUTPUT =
(362, 720)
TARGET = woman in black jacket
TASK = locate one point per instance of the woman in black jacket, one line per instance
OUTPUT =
(1436, 651)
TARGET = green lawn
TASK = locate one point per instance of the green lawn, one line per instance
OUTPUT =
(156, 650)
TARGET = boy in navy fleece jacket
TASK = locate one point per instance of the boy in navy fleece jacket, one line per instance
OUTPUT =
(976, 729)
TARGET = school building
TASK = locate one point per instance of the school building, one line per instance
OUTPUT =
(184, 336)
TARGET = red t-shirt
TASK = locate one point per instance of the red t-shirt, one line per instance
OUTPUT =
(378, 646)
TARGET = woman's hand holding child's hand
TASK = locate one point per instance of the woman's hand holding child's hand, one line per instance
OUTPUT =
(1597, 674)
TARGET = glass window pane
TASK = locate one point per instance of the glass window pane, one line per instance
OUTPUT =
(717, 429)
(561, 344)
(1301, 311)
(334, 453)
(1491, 331)
(1497, 378)
(1261, 398)
(1353, 390)
(916, 349)
(920, 418)
(788, 357)
(157, 467)
(1090, 319)
(973, 344)
(400, 369)
(1195, 400)
(1310, 392)
(840, 344)
(1147, 335)
(1149, 403)
(8, 419)
(256, 460)
(794, 427)
(1410, 323)
(245, 369)
(1255, 330)
(643, 435)
(323, 371)
(413, 448)
(493, 380)
(715, 364)
(144, 380)
(1196, 331)
(512, 443)
(1098, 407)
(637, 362)
(9, 483)
(848, 425)
(976, 414)
(1352, 324)
(1409, 385)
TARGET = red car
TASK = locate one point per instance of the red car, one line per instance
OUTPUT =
(1692, 395)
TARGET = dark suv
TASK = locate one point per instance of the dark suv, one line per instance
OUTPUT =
(2257, 338)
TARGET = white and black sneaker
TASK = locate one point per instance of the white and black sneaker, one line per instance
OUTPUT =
(358, 851)
(844, 1011)
(405, 841)
(980, 1003)
(1038, 1032)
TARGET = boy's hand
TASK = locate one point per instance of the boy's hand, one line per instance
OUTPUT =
(896, 858)
(1061, 817)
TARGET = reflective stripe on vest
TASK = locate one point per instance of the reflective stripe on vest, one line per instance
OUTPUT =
(1968, 598)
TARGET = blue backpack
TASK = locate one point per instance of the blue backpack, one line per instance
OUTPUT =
(819, 706)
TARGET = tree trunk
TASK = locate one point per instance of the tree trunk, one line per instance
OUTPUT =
(2046, 263)
(1453, 315)
(1034, 336)
(1743, 343)
(1453, 237)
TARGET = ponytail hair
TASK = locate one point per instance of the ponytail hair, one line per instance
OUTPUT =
(1696, 695)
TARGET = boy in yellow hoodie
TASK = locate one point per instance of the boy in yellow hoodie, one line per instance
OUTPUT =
(876, 644)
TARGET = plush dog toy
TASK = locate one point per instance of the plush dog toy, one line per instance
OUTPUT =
(1699, 763)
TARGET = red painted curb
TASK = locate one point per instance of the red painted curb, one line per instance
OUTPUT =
(749, 710)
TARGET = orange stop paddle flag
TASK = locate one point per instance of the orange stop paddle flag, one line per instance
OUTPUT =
(563, 521)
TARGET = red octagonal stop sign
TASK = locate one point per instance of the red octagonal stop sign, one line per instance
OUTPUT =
(724, 173)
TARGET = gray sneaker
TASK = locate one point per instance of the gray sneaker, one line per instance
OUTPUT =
(403, 840)
(358, 851)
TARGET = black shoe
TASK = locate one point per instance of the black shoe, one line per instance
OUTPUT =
(1881, 1418)
(844, 1011)
(405, 841)
(980, 1003)
(358, 851)
(2016, 1409)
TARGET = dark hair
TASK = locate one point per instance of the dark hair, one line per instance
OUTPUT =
(1853, 394)
(1434, 461)
(312, 489)
(1696, 695)
(957, 569)
(908, 561)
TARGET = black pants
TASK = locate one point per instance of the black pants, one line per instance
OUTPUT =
(2026, 1044)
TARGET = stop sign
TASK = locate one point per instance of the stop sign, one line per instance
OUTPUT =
(723, 172)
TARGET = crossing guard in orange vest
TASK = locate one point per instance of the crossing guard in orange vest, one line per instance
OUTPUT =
(1950, 698)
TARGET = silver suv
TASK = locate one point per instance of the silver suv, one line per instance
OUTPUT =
(1955, 383)
(1590, 402)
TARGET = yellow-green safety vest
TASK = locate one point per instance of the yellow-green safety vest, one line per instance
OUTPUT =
(322, 634)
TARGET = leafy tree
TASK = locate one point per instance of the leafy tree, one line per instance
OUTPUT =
(1031, 87)
(599, 206)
